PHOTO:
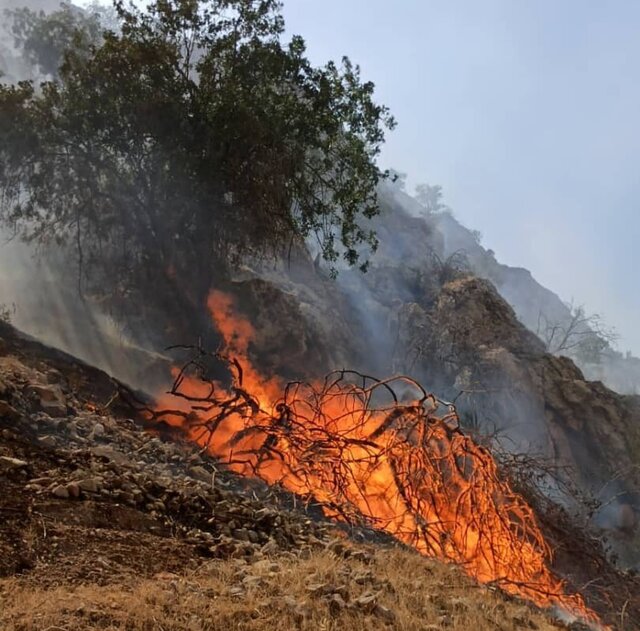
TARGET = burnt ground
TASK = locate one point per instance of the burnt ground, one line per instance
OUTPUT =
(71, 460)
(90, 498)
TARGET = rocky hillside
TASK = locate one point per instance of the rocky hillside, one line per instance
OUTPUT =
(107, 524)
(416, 312)
(535, 306)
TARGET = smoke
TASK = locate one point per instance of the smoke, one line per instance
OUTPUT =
(39, 294)
(39, 288)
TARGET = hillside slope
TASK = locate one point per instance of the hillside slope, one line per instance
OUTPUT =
(107, 526)
(415, 313)
(534, 305)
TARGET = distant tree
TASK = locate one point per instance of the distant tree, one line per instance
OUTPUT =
(43, 37)
(580, 335)
(430, 197)
(190, 138)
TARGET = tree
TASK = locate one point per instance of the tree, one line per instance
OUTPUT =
(43, 38)
(431, 198)
(191, 138)
(579, 335)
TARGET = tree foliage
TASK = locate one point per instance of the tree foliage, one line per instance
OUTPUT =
(190, 138)
(43, 37)
(430, 197)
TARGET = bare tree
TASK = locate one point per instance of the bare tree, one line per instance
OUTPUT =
(580, 335)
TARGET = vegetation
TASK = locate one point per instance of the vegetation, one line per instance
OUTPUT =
(582, 336)
(430, 197)
(43, 38)
(397, 590)
(190, 137)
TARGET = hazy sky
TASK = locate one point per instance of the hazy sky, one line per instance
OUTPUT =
(527, 112)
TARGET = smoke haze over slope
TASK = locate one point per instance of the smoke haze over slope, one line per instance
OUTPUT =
(526, 114)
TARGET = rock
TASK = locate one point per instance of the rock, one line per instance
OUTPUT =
(8, 411)
(319, 589)
(336, 604)
(200, 473)
(44, 481)
(241, 534)
(252, 581)
(90, 485)
(7, 463)
(98, 430)
(50, 398)
(54, 376)
(56, 409)
(626, 519)
(60, 492)
(300, 610)
(73, 489)
(48, 441)
(110, 453)
(237, 592)
(45, 393)
(367, 601)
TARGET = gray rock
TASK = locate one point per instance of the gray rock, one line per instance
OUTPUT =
(385, 613)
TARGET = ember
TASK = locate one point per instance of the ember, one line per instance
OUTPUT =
(385, 453)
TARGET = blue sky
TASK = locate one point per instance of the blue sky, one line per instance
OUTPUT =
(527, 112)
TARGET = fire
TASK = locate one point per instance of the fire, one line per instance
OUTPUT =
(365, 454)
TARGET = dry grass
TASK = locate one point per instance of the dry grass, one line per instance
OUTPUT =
(321, 592)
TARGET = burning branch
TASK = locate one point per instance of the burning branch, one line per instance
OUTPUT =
(383, 453)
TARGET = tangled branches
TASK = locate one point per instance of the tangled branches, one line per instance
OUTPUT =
(381, 452)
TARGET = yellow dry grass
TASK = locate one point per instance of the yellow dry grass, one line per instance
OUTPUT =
(394, 589)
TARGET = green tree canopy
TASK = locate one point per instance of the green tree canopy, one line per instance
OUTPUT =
(190, 138)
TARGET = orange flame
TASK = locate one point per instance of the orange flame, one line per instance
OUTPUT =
(351, 445)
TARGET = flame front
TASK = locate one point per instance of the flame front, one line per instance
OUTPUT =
(352, 446)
